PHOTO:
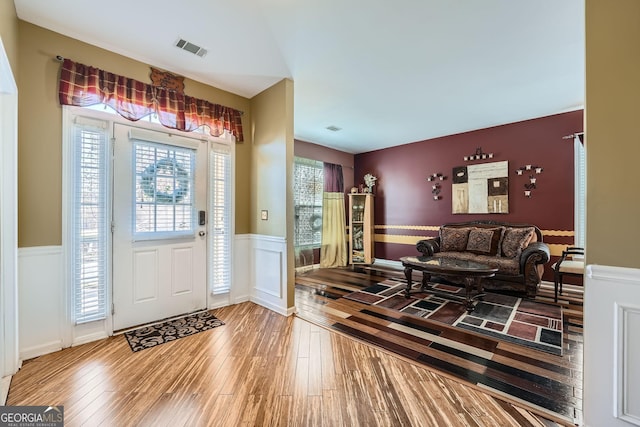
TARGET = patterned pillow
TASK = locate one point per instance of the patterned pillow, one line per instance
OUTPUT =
(484, 241)
(453, 239)
(515, 240)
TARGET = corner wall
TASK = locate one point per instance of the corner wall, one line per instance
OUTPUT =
(272, 188)
(612, 286)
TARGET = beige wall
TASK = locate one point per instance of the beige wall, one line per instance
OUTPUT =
(9, 33)
(40, 129)
(272, 168)
(269, 170)
(611, 129)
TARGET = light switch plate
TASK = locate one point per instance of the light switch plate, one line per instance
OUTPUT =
(264, 214)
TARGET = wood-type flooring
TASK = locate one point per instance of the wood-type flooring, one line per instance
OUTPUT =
(259, 369)
(548, 385)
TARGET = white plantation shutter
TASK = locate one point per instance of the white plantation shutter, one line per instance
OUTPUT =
(580, 192)
(220, 221)
(89, 219)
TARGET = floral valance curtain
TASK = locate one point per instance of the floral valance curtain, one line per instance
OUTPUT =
(83, 85)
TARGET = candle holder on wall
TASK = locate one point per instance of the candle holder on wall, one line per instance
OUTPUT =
(478, 155)
(531, 185)
(436, 188)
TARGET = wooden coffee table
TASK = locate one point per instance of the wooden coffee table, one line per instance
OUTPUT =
(472, 273)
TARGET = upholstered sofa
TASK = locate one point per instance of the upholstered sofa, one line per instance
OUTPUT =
(516, 250)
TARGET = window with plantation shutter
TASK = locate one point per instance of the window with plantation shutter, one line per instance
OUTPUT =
(220, 221)
(580, 192)
(89, 219)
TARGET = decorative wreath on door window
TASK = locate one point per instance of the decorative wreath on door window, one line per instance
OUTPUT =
(316, 222)
(166, 181)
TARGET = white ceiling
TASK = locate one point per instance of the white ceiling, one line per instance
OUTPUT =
(385, 72)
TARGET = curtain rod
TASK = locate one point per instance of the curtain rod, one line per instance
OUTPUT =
(573, 135)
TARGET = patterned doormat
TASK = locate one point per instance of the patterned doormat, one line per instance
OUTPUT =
(509, 318)
(150, 336)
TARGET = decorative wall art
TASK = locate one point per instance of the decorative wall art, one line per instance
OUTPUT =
(480, 189)
(531, 185)
(167, 80)
(435, 187)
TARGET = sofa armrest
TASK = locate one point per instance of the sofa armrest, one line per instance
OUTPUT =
(428, 246)
(538, 250)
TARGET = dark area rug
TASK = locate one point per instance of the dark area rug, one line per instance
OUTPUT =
(150, 336)
(509, 318)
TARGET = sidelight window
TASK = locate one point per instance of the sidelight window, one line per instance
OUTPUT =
(89, 219)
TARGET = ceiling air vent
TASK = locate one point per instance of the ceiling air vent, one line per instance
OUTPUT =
(190, 47)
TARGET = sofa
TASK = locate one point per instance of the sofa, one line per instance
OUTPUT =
(516, 250)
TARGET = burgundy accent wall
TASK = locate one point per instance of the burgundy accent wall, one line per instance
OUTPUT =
(403, 195)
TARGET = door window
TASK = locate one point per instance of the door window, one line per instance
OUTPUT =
(164, 191)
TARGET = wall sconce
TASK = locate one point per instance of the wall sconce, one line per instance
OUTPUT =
(436, 176)
(478, 155)
(436, 188)
(531, 185)
(536, 169)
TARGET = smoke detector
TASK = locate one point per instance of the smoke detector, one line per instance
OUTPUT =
(333, 128)
(191, 47)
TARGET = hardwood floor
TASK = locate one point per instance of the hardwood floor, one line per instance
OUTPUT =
(260, 368)
(546, 384)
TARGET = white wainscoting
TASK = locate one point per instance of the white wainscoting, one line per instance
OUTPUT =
(40, 300)
(269, 273)
(611, 346)
(259, 275)
(241, 275)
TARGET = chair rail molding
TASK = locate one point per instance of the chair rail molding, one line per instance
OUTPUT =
(611, 346)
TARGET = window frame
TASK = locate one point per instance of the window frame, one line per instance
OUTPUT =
(70, 329)
(70, 114)
(315, 244)
(163, 235)
(228, 149)
(580, 192)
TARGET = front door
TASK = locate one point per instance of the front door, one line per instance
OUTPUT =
(159, 246)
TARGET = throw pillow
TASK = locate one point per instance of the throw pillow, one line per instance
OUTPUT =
(484, 241)
(515, 240)
(453, 239)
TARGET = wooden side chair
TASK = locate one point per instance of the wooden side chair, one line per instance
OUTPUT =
(567, 265)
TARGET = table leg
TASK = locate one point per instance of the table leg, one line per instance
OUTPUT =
(469, 283)
(425, 280)
(408, 272)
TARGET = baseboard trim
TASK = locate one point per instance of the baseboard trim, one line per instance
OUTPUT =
(387, 263)
(42, 349)
(266, 304)
(90, 338)
(4, 389)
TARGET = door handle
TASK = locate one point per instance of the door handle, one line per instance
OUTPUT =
(201, 234)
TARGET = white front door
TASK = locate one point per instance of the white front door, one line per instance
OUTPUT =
(159, 246)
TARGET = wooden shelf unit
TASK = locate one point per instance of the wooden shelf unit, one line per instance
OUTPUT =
(361, 243)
